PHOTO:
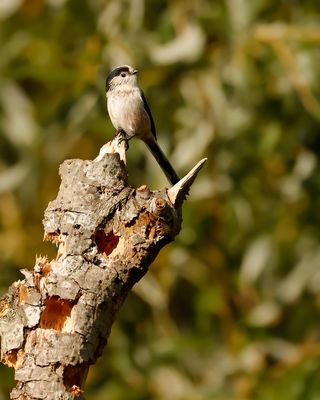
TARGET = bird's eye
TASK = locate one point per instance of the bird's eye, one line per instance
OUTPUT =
(123, 74)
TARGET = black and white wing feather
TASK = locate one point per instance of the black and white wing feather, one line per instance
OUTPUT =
(147, 108)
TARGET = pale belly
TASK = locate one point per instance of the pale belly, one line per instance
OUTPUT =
(128, 113)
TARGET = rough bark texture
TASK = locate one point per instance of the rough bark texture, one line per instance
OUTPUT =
(55, 323)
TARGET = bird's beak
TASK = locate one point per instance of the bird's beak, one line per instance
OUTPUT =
(134, 72)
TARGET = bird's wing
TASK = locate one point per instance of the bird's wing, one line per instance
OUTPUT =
(147, 108)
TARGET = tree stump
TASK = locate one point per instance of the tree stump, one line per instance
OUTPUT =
(55, 323)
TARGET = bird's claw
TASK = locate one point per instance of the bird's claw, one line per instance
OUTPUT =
(120, 136)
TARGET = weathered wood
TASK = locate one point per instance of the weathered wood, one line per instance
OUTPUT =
(55, 323)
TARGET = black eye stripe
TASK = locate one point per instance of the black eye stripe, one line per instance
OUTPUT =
(119, 71)
(115, 72)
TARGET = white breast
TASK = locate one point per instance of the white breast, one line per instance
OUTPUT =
(126, 111)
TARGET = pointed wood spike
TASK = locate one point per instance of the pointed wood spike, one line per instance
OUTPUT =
(177, 193)
(117, 145)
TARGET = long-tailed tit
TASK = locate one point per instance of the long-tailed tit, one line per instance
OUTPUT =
(130, 114)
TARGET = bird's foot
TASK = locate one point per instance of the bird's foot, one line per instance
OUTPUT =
(121, 136)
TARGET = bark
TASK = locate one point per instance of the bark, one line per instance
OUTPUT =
(55, 323)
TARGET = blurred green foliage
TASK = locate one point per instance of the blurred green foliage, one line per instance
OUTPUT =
(230, 310)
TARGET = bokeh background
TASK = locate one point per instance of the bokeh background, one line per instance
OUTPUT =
(230, 310)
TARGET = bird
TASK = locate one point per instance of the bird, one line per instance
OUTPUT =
(131, 116)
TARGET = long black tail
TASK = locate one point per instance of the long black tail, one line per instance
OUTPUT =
(162, 161)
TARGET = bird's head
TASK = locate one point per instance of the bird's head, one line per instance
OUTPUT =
(124, 75)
